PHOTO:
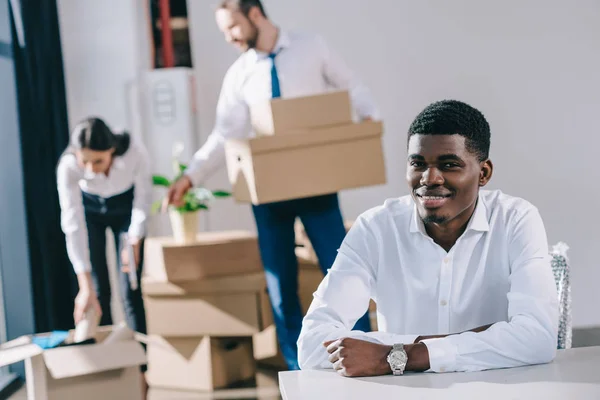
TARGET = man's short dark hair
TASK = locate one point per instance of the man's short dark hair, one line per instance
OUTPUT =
(243, 5)
(449, 117)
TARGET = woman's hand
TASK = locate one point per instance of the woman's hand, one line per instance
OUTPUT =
(86, 300)
(125, 254)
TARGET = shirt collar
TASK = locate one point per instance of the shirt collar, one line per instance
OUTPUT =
(478, 221)
(283, 41)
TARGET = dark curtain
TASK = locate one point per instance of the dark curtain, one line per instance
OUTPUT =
(44, 135)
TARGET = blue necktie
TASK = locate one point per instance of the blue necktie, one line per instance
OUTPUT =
(275, 90)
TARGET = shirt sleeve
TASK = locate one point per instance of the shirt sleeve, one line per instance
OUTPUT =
(232, 121)
(340, 76)
(72, 217)
(142, 193)
(530, 335)
(342, 298)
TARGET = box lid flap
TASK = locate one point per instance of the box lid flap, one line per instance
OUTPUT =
(71, 361)
(229, 284)
(11, 355)
(207, 238)
(313, 137)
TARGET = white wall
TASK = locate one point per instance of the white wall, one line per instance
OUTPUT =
(105, 43)
(531, 67)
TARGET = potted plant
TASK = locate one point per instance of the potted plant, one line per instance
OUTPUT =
(184, 219)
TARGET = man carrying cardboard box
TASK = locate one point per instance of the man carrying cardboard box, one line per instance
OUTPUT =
(276, 64)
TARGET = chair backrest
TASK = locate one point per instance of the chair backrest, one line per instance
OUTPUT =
(560, 268)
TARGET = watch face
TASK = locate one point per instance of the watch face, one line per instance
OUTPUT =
(398, 358)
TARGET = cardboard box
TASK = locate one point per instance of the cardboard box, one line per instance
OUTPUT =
(316, 162)
(199, 363)
(215, 254)
(91, 372)
(218, 307)
(285, 115)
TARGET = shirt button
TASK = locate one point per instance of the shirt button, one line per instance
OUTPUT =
(443, 303)
(442, 369)
(446, 260)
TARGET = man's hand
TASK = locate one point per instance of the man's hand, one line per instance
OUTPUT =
(176, 192)
(354, 357)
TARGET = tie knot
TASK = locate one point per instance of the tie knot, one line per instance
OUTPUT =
(272, 56)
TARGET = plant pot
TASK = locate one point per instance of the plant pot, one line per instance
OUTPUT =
(184, 225)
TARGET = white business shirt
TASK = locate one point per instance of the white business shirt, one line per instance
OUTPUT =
(130, 169)
(497, 272)
(305, 66)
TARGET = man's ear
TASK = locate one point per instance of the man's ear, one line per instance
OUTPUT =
(485, 174)
(254, 14)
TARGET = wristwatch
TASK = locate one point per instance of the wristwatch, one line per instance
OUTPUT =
(397, 359)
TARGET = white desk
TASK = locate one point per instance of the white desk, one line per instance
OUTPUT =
(573, 375)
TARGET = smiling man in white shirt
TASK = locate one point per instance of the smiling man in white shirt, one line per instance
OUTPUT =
(461, 276)
(276, 63)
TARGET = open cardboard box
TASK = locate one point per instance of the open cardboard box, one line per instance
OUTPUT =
(227, 306)
(213, 254)
(201, 363)
(88, 371)
(282, 116)
(308, 163)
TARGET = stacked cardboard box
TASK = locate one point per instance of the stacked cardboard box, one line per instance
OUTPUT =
(202, 305)
(306, 146)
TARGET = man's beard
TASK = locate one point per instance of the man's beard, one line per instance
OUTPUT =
(251, 42)
(434, 219)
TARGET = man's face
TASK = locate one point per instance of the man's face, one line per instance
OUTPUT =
(237, 28)
(444, 176)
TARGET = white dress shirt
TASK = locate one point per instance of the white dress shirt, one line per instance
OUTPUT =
(498, 272)
(305, 66)
(130, 169)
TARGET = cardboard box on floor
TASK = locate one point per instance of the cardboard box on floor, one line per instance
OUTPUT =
(314, 162)
(214, 254)
(91, 371)
(227, 306)
(284, 116)
(201, 363)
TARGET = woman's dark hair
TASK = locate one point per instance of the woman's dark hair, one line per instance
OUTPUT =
(94, 134)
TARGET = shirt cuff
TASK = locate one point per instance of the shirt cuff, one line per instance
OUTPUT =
(135, 231)
(195, 175)
(442, 355)
(81, 267)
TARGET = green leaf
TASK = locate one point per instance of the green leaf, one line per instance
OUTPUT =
(182, 167)
(221, 193)
(160, 180)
